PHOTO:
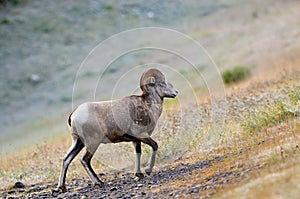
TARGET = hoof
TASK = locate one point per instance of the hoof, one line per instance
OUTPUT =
(148, 171)
(99, 184)
(59, 190)
(62, 189)
(139, 176)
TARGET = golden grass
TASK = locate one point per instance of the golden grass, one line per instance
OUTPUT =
(256, 164)
(269, 148)
(39, 163)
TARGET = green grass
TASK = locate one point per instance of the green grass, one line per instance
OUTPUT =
(273, 114)
(109, 7)
(237, 74)
(294, 95)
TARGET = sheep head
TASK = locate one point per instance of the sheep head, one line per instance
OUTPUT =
(154, 81)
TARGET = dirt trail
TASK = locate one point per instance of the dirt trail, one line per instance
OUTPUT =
(125, 185)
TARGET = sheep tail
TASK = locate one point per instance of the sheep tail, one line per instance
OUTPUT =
(69, 119)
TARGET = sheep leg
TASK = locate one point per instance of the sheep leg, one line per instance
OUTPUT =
(138, 153)
(149, 141)
(73, 151)
(86, 162)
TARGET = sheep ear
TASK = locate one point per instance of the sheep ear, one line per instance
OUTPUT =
(151, 81)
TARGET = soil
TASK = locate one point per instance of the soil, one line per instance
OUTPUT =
(125, 185)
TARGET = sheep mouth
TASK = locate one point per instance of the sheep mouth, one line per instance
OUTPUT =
(173, 95)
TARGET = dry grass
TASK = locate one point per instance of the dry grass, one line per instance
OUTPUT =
(40, 163)
(279, 176)
(251, 169)
(262, 149)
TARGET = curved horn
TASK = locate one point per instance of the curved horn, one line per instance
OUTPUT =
(152, 74)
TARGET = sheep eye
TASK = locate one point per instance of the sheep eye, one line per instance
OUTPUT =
(163, 84)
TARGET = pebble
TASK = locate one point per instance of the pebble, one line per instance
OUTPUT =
(113, 189)
(19, 185)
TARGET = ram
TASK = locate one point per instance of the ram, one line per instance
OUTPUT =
(130, 119)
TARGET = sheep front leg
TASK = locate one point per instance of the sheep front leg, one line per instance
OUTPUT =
(138, 153)
(149, 141)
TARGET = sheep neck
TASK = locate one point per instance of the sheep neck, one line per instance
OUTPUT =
(152, 99)
(154, 102)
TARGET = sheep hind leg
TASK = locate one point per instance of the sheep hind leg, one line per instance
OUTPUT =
(86, 162)
(73, 151)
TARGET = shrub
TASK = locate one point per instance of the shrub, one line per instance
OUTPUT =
(238, 73)
(108, 7)
(12, 2)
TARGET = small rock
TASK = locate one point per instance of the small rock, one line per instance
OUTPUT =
(44, 195)
(11, 192)
(113, 189)
(19, 185)
(109, 183)
(76, 182)
(34, 78)
(150, 14)
(208, 187)
(32, 189)
(219, 158)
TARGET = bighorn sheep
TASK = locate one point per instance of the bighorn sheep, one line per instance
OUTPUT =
(130, 119)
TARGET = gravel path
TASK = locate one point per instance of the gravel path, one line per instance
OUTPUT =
(125, 185)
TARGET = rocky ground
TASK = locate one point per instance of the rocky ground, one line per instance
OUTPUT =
(126, 186)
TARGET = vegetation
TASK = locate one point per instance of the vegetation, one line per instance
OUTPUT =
(238, 73)
(274, 114)
(109, 7)
(13, 2)
(237, 153)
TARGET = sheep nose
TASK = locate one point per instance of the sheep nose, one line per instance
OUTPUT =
(176, 91)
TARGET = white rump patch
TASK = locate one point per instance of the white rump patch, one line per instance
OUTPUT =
(81, 114)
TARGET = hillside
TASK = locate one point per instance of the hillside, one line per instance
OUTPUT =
(216, 140)
(252, 152)
(51, 40)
